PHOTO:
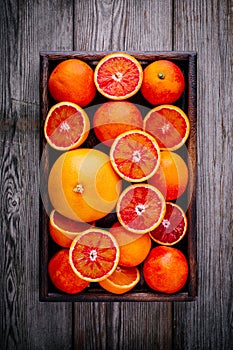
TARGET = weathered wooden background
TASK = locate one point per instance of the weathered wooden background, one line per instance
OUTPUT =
(29, 26)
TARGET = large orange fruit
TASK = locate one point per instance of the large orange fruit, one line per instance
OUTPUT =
(122, 280)
(94, 255)
(66, 126)
(172, 175)
(134, 248)
(140, 208)
(118, 76)
(62, 275)
(72, 80)
(165, 269)
(115, 117)
(163, 82)
(169, 125)
(82, 185)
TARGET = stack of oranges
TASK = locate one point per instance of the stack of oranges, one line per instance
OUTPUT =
(138, 175)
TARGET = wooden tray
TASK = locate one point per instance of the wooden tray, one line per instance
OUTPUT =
(187, 62)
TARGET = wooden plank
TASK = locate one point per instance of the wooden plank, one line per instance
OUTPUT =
(26, 323)
(207, 323)
(123, 25)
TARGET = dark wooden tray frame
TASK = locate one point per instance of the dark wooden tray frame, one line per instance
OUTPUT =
(187, 61)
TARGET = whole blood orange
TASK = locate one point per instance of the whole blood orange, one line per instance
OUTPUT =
(66, 126)
(134, 248)
(163, 82)
(122, 280)
(115, 117)
(169, 125)
(172, 175)
(118, 76)
(82, 185)
(173, 227)
(165, 269)
(62, 275)
(64, 230)
(94, 255)
(135, 155)
(140, 208)
(72, 80)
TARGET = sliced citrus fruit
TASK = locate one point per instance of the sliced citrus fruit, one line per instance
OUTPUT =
(121, 280)
(118, 76)
(62, 275)
(141, 208)
(66, 126)
(94, 255)
(173, 226)
(169, 125)
(135, 155)
(63, 230)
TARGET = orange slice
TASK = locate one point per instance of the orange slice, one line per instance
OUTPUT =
(135, 155)
(141, 208)
(122, 280)
(169, 125)
(118, 76)
(94, 255)
(173, 226)
(66, 126)
(63, 230)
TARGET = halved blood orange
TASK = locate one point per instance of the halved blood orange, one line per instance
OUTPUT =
(121, 280)
(140, 208)
(173, 226)
(63, 230)
(66, 126)
(94, 255)
(118, 76)
(169, 125)
(135, 155)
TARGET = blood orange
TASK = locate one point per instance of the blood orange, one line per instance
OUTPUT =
(135, 155)
(140, 208)
(122, 280)
(118, 76)
(94, 255)
(63, 230)
(72, 80)
(62, 275)
(165, 269)
(173, 226)
(169, 125)
(66, 126)
(115, 117)
(163, 82)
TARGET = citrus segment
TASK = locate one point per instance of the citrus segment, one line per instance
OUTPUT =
(135, 155)
(72, 80)
(83, 186)
(115, 117)
(163, 82)
(121, 280)
(165, 269)
(140, 208)
(173, 226)
(169, 125)
(62, 275)
(94, 255)
(118, 76)
(66, 126)
(63, 230)
(134, 248)
(172, 176)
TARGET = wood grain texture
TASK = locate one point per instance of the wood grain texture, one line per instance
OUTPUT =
(25, 29)
(207, 323)
(121, 25)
